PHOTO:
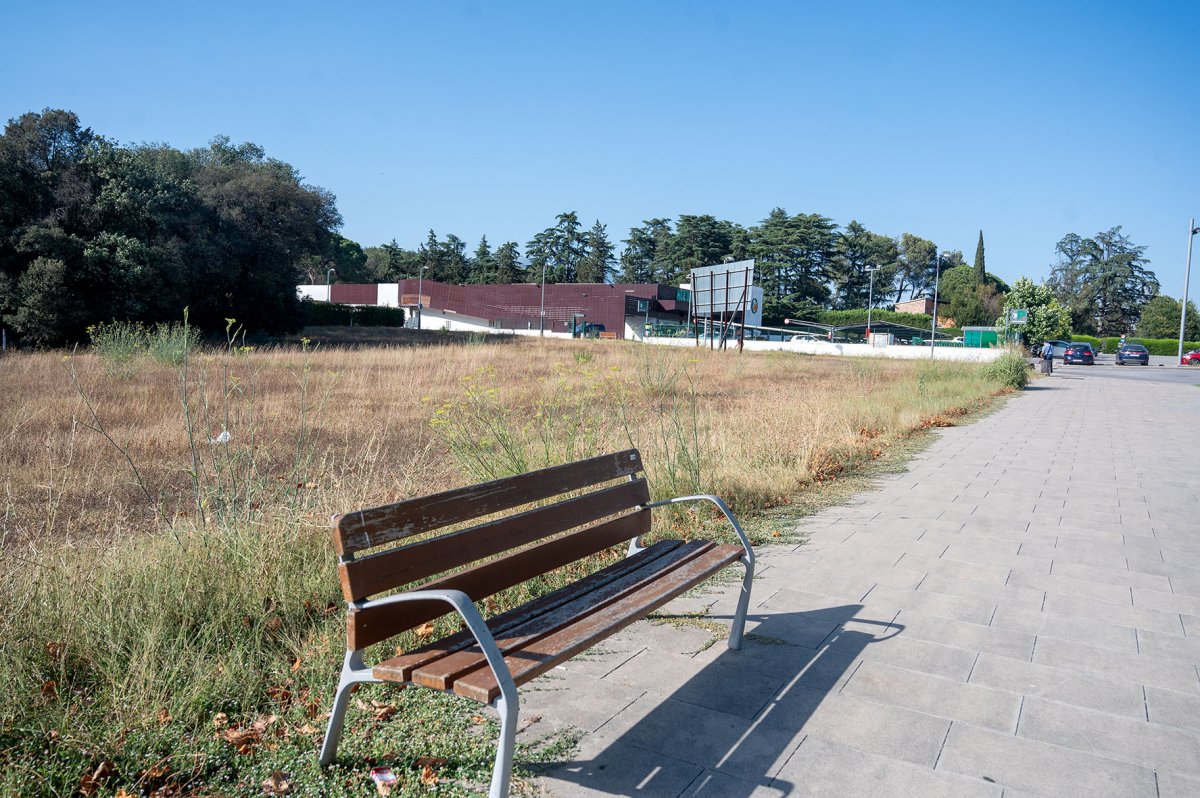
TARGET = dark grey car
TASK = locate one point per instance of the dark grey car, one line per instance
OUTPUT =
(1132, 353)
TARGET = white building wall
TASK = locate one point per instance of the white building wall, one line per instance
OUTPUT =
(317, 293)
(389, 295)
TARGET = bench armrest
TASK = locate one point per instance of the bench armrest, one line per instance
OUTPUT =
(475, 624)
(721, 505)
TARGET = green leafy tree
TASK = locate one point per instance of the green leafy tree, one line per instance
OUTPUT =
(557, 251)
(794, 255)
(391, 262)
(1103, 281)
(856, 251)
(1160, 319)
(918, 258)
(508, 264)
(597, 265)
(980, 267)
(1047, 319)
(483, 264)
(647, 254)
(700, 241)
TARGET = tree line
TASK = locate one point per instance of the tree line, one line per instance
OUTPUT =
(92, 231)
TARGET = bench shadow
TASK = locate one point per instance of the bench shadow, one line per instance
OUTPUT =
(727, 729)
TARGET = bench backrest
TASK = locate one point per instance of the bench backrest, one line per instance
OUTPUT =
(586, 522)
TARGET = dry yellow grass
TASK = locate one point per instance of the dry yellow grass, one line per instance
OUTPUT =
(327, 431)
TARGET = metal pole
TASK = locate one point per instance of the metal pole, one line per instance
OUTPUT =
(420, 294)
(1187, 274)
(870, 299)
(937, 273)
(542, 314)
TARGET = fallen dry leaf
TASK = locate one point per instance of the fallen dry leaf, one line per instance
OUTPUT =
(425, 630)
(95, 780)
(308, 728)
(428, 776)
(220, 720)
(278, 783)
(55, 651)
(477, 719)
(164, 717)
(296, 664)
(49, 689)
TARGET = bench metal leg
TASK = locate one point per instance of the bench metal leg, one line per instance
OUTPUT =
(353, 672)
(743, 605)
(502, 772)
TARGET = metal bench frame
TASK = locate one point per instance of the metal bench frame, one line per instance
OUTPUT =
(507, 704)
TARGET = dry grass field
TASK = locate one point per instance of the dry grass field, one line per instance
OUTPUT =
(165, 551)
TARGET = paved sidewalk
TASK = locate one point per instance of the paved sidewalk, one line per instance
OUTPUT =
(1017, 615)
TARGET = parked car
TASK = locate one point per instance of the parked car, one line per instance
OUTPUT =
(1057, 348)
(1132, 353)
(1079, 353)
(1190, 358)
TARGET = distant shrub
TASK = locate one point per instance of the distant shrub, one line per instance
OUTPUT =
(170, 344)
(119, 345)
(1165, 347)
(323, 314)
(1010, 370)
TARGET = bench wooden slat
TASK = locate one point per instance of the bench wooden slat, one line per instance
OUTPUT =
(371, 625)
(440, 673)
(400, 668)
(545, 652)
(379, 572)
(376, 526)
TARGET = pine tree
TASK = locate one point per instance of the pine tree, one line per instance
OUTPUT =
(980, 270)
(597, 263)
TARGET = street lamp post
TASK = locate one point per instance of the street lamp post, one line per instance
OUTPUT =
(870, 297)
(420, 294)
(328, 287)
(542, 313)
(937, 273)
(1187, 274)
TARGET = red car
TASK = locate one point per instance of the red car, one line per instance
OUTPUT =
(1190, 358)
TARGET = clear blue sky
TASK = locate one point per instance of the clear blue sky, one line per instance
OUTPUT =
(1028, 120)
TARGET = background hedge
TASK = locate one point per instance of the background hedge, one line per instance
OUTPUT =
(323, 314)
(1167, 347)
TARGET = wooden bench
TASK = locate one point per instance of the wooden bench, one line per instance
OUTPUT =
(512, 535)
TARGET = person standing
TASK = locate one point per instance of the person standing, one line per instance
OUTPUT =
(1047, 358)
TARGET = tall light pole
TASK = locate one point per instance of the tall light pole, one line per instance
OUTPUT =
(870, 296)
(420, 293)
(937, 274)
(1187, 274)
(328, 286)
(542, 314)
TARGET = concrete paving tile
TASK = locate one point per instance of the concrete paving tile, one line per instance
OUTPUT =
(1152, 620)
(952, 564)
(1070, 586)
(593, 702)
(1039, 768)
(605, 768)
(941, 605)
(1112, 576)
(964, 634)
(714, 784)
(1137, 742)
(1173, 708)
(919, 655)
(933, 695)
(1067, 686)
(820, 768)
(1173, 785)
(1082, 630)
(879, 729)
(1172, 647)
(985, 591)
(1117, 664)
(728, 683)
(701, 736)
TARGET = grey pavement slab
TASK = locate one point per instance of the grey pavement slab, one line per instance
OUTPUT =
(1016, 614)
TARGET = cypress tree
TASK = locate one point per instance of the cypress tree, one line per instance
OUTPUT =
(980, 271)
